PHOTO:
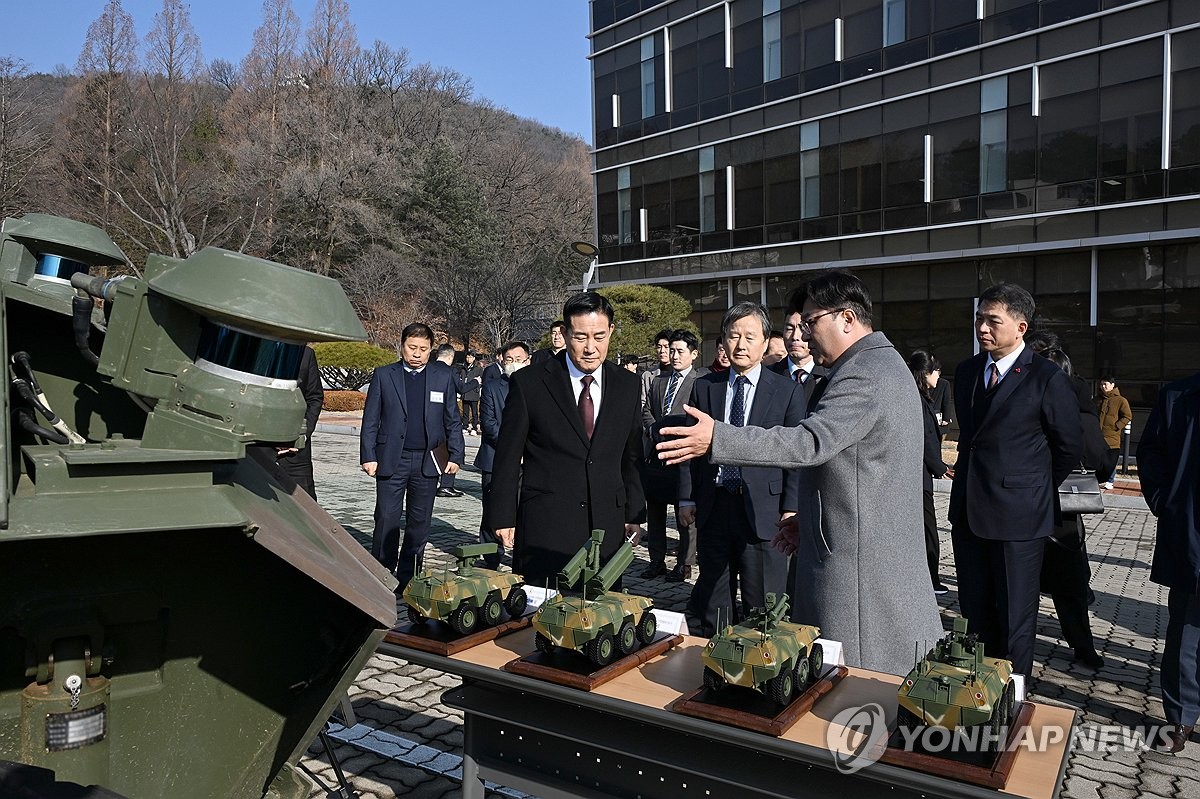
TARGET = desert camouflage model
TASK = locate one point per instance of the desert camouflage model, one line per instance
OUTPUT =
(601, 622)
(465, 596)
(775, 657)
(955, 686)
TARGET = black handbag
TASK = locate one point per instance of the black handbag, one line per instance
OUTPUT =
(1080, 493)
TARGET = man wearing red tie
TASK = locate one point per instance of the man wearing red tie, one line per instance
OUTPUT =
(1019, 438)
(566, 461)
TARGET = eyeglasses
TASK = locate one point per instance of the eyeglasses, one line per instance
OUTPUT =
(516, 360)
(806, 325)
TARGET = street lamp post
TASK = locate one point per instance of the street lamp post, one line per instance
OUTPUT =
(587, 250)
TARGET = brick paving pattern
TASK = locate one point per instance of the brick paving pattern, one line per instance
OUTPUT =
(407, 743)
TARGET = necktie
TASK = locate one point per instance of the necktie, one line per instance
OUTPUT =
(669, 399)
(801, 376)
(587, 412)
(994, 377)
(731, 476)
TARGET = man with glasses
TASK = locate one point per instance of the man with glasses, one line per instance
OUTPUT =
(513, 356)
(858, 536)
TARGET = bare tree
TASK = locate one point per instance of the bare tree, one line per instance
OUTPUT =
(21, 141)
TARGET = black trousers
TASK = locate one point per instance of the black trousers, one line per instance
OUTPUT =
(1180, 678)
(1065, 576)
(486, 535)
(405, 487)
(656, 535)
(732, 556)
(470, 413)
(932, 544)
(998, 588)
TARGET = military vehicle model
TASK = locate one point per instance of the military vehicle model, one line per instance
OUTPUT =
(767, 653)
(463, 597)
(600, 623)
(955, 686)
(175, 618)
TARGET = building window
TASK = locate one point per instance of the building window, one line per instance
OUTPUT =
(893, 22)
(708, 190)
(1185, 99)
(649, 85)
(624, 206)
(772, 38)
(993, 134)
(810, 170)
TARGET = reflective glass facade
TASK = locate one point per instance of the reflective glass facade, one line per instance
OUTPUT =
(936, 146)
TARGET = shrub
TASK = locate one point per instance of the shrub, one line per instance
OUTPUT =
(347, 365)
(344, 401)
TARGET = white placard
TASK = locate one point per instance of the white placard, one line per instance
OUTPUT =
(538, 595)
(670, 622)
(1019, 687)
(833, 654)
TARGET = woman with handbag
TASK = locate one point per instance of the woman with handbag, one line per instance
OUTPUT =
(1065, 568)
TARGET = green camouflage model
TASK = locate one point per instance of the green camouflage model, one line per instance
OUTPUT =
(775, 657)
(601, 622)
(955, 686)
(465, 596)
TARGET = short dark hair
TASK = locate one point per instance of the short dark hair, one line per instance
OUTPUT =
(444, 349)
(588, 302)
(1016, 301)
(687, 337)
(558, 323)
(1057, 356)
(416, 330)
(1041, 340)
(741, 311)
(665, 333)
(512, 345)
(1109, 379)
(836, 288)
(776, 334)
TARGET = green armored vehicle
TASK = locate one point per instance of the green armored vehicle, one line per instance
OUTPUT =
(773, 656)
(956, 687)
(462, 597)
(600, 622)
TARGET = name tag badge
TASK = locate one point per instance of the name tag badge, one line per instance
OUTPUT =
(436, 396)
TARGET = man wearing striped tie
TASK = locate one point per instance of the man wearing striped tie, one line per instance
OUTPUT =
(666, 397)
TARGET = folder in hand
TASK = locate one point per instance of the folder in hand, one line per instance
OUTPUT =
(441, 457)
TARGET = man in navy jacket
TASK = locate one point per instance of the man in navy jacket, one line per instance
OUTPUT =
(410, 422)
(1168, 459)
(515, 355)
(1019, 439)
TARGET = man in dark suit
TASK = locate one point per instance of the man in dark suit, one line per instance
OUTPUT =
(495, 394)
(492, 371)
(666, 396)
(566, 461)
(799, 366)
(294, 462)
(445, 355)
(558, 342)
(1020, 437)
(736, 509)
(410, 418)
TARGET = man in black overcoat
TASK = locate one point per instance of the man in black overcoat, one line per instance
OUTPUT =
(570, 438)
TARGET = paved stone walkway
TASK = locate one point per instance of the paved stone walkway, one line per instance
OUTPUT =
(408, 743)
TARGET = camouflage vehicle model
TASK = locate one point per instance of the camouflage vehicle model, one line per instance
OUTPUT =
(600, 622)
(773, 656)
(956, 687)
(463, 597)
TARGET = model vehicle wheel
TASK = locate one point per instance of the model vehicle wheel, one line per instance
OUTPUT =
(542, 644)
(647, 627)
(516, 601)
(906, 719)
(779, 687)
(712, 680)
(816, 661)
(462, 621)
(492, 609)
(626, 638)
(1008, 704)
(803, 673)
(600, 649)
(414, 615)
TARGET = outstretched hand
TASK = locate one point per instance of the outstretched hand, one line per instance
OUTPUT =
(686, 443)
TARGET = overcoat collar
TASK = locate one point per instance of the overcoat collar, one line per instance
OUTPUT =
(558, 383)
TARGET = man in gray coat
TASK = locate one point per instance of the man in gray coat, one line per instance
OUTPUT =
(858, 539)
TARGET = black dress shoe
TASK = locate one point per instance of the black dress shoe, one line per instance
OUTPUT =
(456, 492)
(654, 570)
(679, 574)
(1090, 658)
(1171, 740)
(445, 492)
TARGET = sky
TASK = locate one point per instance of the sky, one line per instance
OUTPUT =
(528, 56)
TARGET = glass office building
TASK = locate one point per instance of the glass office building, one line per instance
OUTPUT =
(934, 147)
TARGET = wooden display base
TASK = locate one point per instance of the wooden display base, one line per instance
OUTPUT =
(987, 770)
(438, 637)
(574, 670)
(750, 710)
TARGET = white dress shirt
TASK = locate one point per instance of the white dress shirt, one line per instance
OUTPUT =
(577, 385)
(752, 376)
(1004, 364)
